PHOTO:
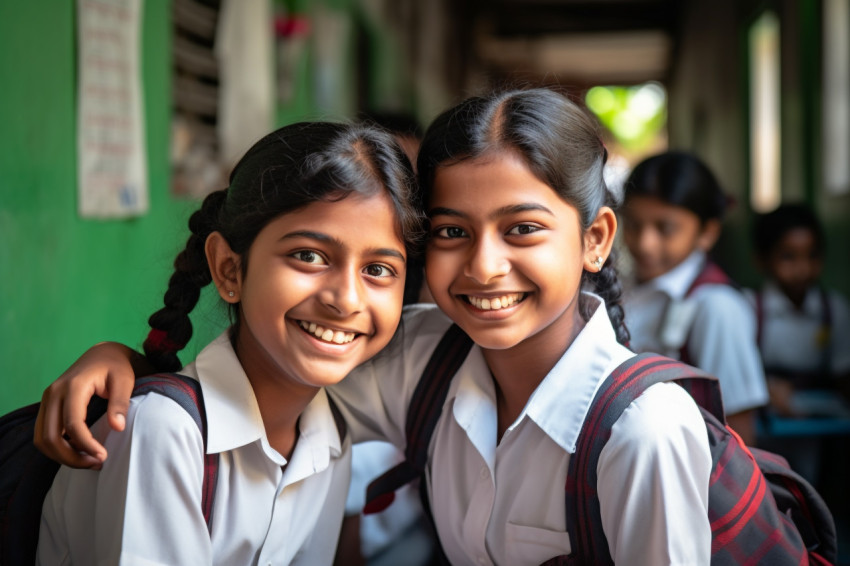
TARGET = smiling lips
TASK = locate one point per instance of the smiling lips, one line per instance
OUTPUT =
(495, 303)
(327, 334)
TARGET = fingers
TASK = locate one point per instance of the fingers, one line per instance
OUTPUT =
(119, 388)
(77, 432)
(61, 431)
(49, 433)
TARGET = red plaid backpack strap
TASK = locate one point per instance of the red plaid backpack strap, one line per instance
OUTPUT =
(424, 411)
(711, 274)
(187, 393)
(624, 385)
(752, 520)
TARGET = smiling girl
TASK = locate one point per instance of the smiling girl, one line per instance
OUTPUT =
(308, 304)
(519, 256)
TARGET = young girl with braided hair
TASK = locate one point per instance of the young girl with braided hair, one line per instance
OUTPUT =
(309, 302)
(519, 257)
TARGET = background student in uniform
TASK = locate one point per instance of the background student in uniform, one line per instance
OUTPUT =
(681, 304)
(309, 302)
(804, 339)
(804, 327)
(521, 231)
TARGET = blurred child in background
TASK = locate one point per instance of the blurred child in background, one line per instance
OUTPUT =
(804, 339)
(682, 305)
(804, 328)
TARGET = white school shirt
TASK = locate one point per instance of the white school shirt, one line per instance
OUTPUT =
(716, 321)
(144, 506)
(504, 503)
(790, 338)
(398, 526)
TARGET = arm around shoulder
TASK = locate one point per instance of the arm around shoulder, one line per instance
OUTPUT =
(106, 370)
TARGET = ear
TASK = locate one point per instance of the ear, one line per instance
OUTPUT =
(599, 238)
(224, 267)
(709, 235)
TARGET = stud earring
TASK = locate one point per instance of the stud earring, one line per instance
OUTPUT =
(230, 293)
(597, 263)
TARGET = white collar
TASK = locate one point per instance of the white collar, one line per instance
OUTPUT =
(233, 416)
(774, 301)
(676, 282)
(559, 404)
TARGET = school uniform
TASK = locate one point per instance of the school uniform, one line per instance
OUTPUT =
(503, 502)
(144, 506)
(714, 323)
(798, 341)
(400, 534)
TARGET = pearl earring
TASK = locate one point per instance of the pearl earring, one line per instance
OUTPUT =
(597, 263)
(230, 293)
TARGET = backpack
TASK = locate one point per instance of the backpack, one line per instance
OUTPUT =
(26, 474)
(760, 510)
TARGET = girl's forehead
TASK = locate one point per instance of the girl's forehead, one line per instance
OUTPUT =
(345, 208)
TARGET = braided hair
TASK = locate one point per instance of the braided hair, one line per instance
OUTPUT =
(560, 144)
(286, 170)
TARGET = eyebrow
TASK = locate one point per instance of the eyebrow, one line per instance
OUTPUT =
(322, 237)
(503, 211)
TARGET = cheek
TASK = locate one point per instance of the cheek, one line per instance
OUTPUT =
(438, 269)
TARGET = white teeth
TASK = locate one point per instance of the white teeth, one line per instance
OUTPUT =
(496, 303)
(327, 334)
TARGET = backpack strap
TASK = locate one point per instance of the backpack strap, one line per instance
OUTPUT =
(424, 411)
(187, 393)
(711, 274)
(617, 392)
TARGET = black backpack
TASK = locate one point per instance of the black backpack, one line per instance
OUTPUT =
(26, 474)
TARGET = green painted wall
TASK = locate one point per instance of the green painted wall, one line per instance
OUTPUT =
(67, 282)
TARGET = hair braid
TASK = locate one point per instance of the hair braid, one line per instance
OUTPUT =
(171, 327)
(606, 284)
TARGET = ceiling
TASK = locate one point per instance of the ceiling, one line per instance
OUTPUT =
(581, 42)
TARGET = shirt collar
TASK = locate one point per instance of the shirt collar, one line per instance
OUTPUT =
(559, 404)
(233, 416)
(676, 282)
(775, 302)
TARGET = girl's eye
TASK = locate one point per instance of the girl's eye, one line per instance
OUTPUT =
(449, 232)
(523, 229)
(378, 270)
(309, 256)
(667, 228)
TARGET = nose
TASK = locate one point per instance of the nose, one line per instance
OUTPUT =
(344, 292)
(487, 260)
(646, 241)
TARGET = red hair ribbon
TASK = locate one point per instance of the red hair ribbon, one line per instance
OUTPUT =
(159, 341)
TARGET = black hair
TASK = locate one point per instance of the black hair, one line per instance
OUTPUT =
(771, 227)
(680, 179)
(286, 170)
(398, 123)
(405, 125)
(558, 140)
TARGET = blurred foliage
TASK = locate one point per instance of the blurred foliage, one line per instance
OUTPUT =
(635, 116)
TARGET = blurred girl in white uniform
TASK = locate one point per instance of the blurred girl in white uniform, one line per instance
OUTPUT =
(681, 304)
